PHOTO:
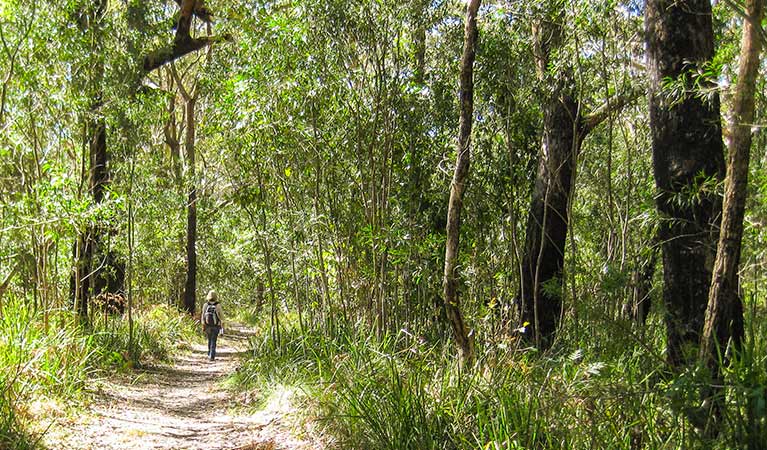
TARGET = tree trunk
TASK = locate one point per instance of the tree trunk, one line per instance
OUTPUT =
(190, 287)
(565, 126)
(641, 301)
(547, 223)
(463, 339)
(724, 314)
(725, 309)
(540, 295)
(419, 13)
(688, 161)
(171, 132)
(96, 267)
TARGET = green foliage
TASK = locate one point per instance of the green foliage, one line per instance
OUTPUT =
(158, 331)
(37, 362)
(402, 392)
(324, 135)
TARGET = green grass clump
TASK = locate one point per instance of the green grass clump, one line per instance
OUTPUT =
(157, 331)
(604, 390)
(36, 361)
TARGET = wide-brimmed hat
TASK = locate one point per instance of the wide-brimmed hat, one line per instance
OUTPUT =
(212, 296)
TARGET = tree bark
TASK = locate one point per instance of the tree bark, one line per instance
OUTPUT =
(687, 160)
(565, 126)
(190, 287)
(450, 284)
(724, 314)
(189, 96)
(96, 268)
(548, 220)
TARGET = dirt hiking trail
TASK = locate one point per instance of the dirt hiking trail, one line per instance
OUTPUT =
(183, 405)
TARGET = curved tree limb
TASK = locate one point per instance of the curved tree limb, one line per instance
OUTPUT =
(611, 106)
(183, 42)
(162, 56)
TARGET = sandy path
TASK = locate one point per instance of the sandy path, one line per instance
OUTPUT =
(182, 406)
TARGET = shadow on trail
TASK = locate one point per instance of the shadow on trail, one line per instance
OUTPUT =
(182, 404)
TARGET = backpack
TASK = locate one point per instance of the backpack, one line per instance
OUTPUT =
(210, 317)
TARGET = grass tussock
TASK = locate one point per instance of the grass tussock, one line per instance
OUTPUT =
(605, 392)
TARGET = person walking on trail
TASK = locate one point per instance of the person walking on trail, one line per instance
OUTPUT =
(212, 322)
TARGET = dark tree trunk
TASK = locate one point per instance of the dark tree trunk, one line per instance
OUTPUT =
(540, 294)
(642, 285)
(190, 288)
(79, 281)
(450, 284)
(108, 271)
(97, 269)
(547, 223)
(565, 126)
(687, 161)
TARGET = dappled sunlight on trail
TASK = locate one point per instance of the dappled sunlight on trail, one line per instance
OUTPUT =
(182, 405)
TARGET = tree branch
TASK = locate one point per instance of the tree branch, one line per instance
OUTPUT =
(200, 10)
(179, 48)
(183, 43)
(611, 106)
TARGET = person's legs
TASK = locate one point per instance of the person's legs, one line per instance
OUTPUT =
(210, 342)
(212, 345)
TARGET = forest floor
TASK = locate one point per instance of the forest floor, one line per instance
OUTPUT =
(185, 405)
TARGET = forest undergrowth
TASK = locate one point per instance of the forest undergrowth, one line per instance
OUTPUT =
(50, 358)
(599, 387)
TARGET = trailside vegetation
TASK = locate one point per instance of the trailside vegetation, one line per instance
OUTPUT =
(571, 192)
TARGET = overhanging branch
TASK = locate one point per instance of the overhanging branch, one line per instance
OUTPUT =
(607, 109)
(183, 42)
(178, 49)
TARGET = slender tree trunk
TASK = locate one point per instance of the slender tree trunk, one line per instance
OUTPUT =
(642, 301)
(418, 16)
(130, 268)
(450, 284)
(274, 317)
(170, 131)
(687, 161)
(724, 314)
(190, 287)
(190, 102)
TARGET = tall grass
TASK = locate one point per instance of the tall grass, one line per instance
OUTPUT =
(36, 362)
(58, 361)
(594, 390)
